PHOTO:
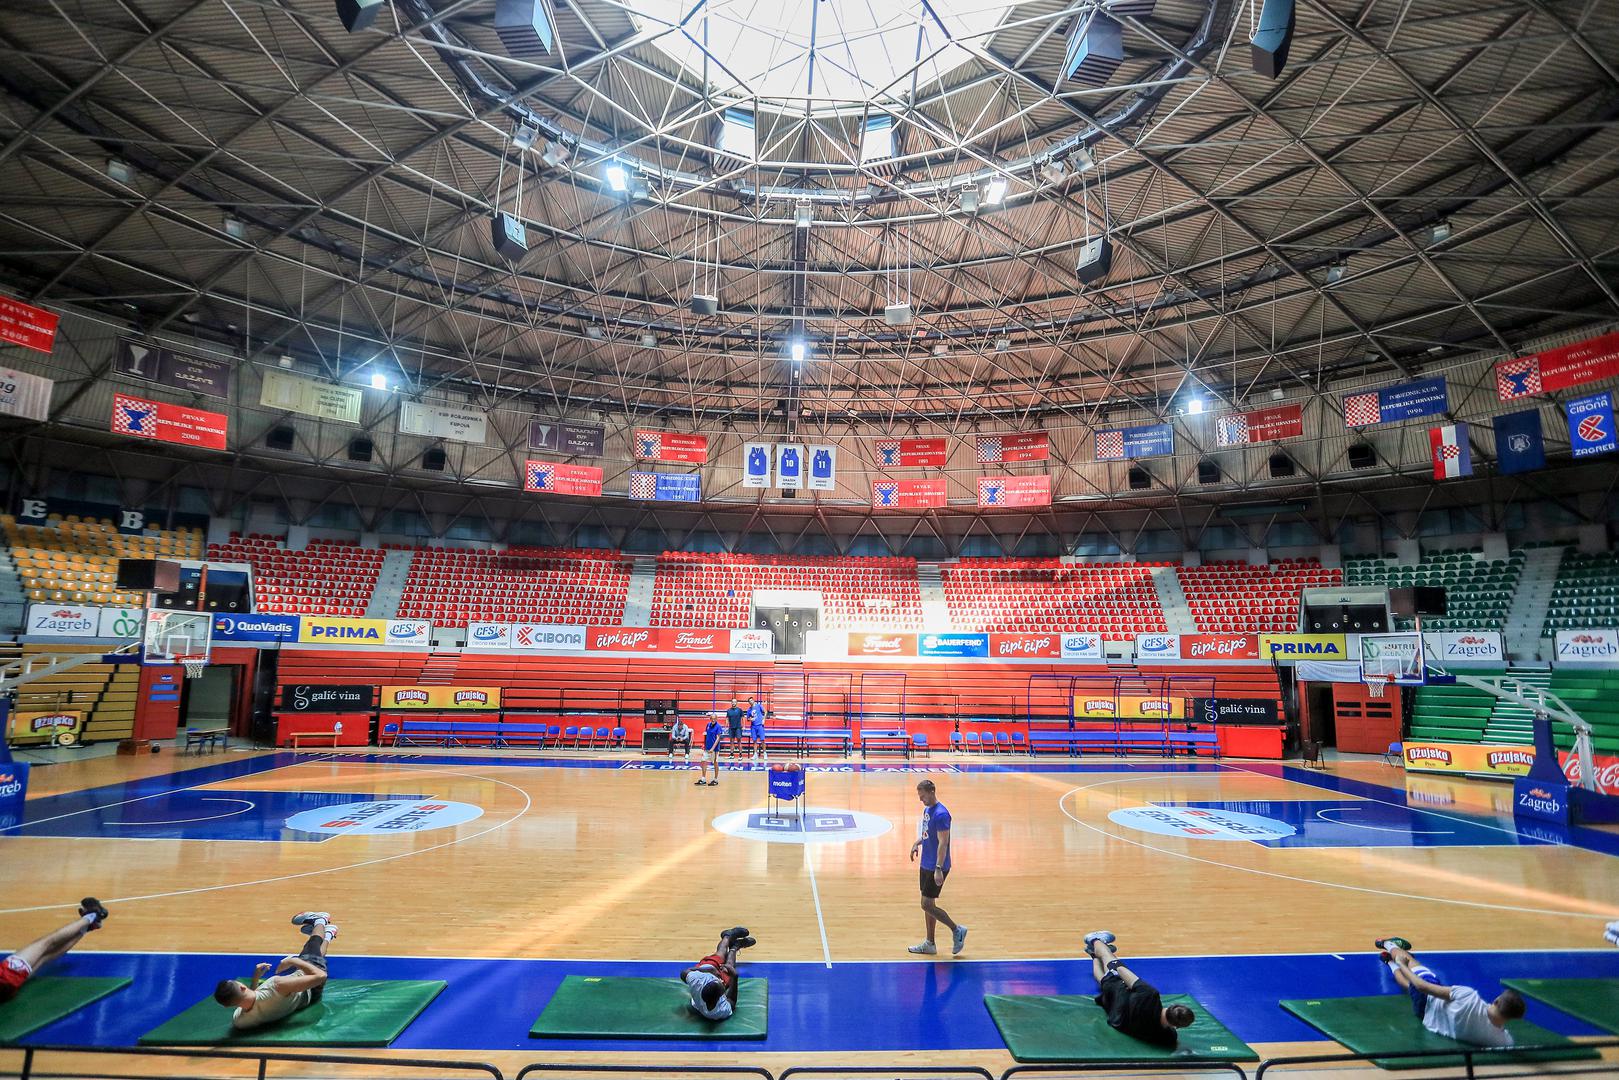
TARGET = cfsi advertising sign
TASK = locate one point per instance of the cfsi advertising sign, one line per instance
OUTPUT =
(410, 633)
(1083, 646)
(489, 635)
(975, 645)
(1153, 647)
(1286, 648)
(1596, 646)
(256, 628)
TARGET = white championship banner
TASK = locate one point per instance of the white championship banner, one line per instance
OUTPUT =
(25, 395)
(310, 397)
(442, 422)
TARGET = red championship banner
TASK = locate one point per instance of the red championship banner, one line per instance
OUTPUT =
(1026, 646)
(559, 479)
(168, 423)
(1260, 426)
(907, 494)
(882, 644)
(1015, 446)
(911, 453)
(26, 325)
(671, 446)
(1219, 646)
(1558, 369)
(621, 639)
(1014, 490)
(671, 639)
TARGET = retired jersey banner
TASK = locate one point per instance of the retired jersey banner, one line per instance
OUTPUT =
(882, 644)
(1558, 369)
(911, 453)
(1260, 426)
(1519, 444)
(162, 422)
(1149, 440)
(310, 397)
(1014, 490)
(567, 437)
(790, 466)
(1591, 429)
(1015, 446)
(756, 465)
(1406, 401)
(198, 374)
(442, 422)
(671, 446)
(561, 479)
(26, 325)
(666, 487)
(907, 494)
(823, 468)
(439, 697)
(25, 395)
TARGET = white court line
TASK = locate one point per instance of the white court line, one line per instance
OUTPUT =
(244, 805)
(815, 894)
(143, 798)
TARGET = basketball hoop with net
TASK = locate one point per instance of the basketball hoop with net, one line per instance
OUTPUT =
(178, 637)
(194, 665)
(1377, 685)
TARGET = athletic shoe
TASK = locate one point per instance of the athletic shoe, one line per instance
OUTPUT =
(735, 931)
(306, 920)
(1392, 943)
(926, 948)
(744, 943)
(700, 783)
(331, 931)
(1611, 933)
(958, 940)
(91, 906)
(1104, 936)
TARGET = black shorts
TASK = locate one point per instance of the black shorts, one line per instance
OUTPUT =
(930, 888)
(1113, 994)
(734, 732)
(312, 953)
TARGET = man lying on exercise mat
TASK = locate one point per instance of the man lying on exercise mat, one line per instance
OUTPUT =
(21, 965)
(1132, 1004)
(713, 980)
(297, 984)
(1456, 1012)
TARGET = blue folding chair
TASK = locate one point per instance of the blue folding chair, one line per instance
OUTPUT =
(972, 740)
(1020, 742)
(919, 744)
(618, 737)
(955, 741)
(570, 736)
(553, 735)
(1003, 742)
(989, 741)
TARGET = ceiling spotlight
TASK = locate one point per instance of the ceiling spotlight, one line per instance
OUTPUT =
(119, 171)
(649, 339)
(1440, 232)
(595, 332)
(969, 200)
(994, 192)
(554, 154)
(1194, 406)
(1081, 160)
(618, 177)
(803, 215)
(1277, 393)
(1003, 344)
(284, 363)
(1053, 172)
(379, 381)
(235, 228)
(1336, 272)
(797, 350)
(523, 136)
(641, 190)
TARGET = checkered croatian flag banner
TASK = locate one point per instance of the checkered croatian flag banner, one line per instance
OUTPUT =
(989, 449)
(888, 451)
(1558, 369)
(539, 475)
(133, 416)
(1361, 410)
(1403, 401)
(643, 485)
(1231, 430)
(1517, 378)
(1110, 446)
(884, 493)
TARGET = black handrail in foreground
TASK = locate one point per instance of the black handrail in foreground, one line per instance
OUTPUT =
(652, 1070)
(262, 1057)
(1472, 1057)
(898, 1072)
(1172, 1065)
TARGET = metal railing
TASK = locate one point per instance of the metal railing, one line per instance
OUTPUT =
(385, 1067)
(1472, 1057)
(1162, 1065)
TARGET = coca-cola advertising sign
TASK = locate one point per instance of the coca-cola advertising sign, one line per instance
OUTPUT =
(1026, 646)
(1219, 646)
(1606, 769)
(620, 639)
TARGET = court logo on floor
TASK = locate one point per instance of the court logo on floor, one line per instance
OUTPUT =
(391, 817)
(1200, 823)
(816, 825)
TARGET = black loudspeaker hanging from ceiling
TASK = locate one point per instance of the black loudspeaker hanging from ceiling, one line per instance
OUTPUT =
(1281, 465)
(360, 449)
(1362, 456)
(1208, 472)
(279, 438)
(433, 460)
(358, 15)
(1273, 37)
(1140, 478)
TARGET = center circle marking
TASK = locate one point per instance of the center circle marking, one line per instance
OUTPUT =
(816, 825)
(1201, 823)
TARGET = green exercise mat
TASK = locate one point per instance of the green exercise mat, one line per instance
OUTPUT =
(1073, 1028)
(592, 1007)
(352, 1012)
(1385, 1024)
(45, 999)
(1596, 1001)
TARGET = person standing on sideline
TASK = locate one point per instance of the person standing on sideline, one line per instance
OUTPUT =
(933, 841)
(733, 729)
(711, 752)
(756, 729)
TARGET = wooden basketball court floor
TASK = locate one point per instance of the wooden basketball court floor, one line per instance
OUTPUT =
(1238, 882)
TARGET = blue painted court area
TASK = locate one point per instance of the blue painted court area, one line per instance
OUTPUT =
(490, 1004)
(193, 814)
(1335, 823)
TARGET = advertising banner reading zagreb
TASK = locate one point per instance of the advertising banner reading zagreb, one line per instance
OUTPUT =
(1405, 401)
(1014, 446)
(1286, 648)
(1260, 426)
(1464, 646)
(1014, 490)
(752, 643)
(163, 422)
(558, 478)
(439, 697)
(1030, 646)
(1558, 369)
(62, 620)
(26, 325)
(1599, 645)
(907, 494)
(911, 453)
(1128, 707)
(670, 446)
(1219, 646)
(882, 644)
(25, 395)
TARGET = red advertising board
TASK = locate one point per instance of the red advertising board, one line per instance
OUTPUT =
(911, 453)
(1219, 646)
(561, 479)
(1605, 766)
(671, 639)
(168, 423)
(26, 325)
(621, 639)
(1014, 490)
(671, 446)
(1558, 369)
(1026, 646)
(1013, 446)
(882, 644)
(907, 494)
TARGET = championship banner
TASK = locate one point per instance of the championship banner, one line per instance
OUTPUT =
(789, 466)
(1219, 646)
(672, 639)
(442, 422)
(45, 724)
(1149, 440)
(162, 422)
(439, 697)
(882, 644)
(25, 395)
(26, 325)
(1558, 369)
(1591, 429)
(1015, 446)
(756, 464)
(965, 645)
(567, 437)
(197, 374)
(671, 446)
(1286, 648)
(911, 453)
(620, 639)
(557, 478)
(1260, 426)
(1519, 444)
(330, 630)
(1014, 490)
(1029, 646)
(823, 468)
(310, 397)
(1405, 401)
(666, 487)
(907, 494)
(1128, 707)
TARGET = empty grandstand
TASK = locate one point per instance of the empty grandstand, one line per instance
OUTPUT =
(1235, 596)
(457, 586)
(1117, 601)
(853, 593)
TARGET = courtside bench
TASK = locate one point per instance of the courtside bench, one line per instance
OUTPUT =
(443, 731)
(1164, 741)
(893, 741)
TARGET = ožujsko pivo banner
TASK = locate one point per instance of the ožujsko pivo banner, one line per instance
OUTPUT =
(1128, 707)
(439, 697)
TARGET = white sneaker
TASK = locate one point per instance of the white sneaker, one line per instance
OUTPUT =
(1611, 933)
(926, 948)
(958, 940)
(331, 931)
(305, 920)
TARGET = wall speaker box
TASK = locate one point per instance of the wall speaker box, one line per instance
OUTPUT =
(1208, 472)
(1281, 465)
(280, 438)
(148, 575)
(1273, 37)
(1140, 478)
(433, 460)
(704, 304)
(358, 15)
(897, 314)
(1095, 51)
(524, 28)
(360, 449)
(509, 236)
(1428, 599)
(1095, 260)
(1362, 456)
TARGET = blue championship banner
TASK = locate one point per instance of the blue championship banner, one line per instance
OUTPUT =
(666, 487)
(1149, 440)
(1590, 425)
(1406, 401)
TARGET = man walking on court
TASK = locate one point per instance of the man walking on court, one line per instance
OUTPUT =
(933, 841)
(756, 729)
(21, 965)
(1456, 1012)
(712, 981)
(711, 752)
(1132, 1004)
(733, 729)
(297, 984)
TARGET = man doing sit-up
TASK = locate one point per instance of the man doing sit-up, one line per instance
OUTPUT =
(1456, 1012)
(1132, 1004)
(297, 984)
(712, 981)
(21, 965)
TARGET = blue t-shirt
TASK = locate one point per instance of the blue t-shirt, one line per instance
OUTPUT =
(756, 718)
(711, 735)
(935, 819)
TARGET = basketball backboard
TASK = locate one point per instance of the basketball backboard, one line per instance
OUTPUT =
(174, 636)
(1396, 656)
